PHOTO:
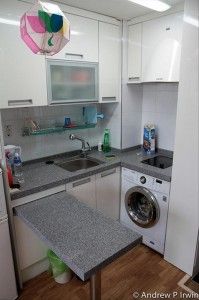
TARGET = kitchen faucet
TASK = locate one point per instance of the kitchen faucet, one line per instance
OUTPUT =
(85, 148)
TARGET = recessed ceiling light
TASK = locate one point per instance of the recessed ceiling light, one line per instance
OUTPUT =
(153, 4)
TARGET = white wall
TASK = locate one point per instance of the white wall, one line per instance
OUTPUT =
(46, 145)
(183, 220)
(131, 102)
(160, 107)
(131, 115)
(149, 103)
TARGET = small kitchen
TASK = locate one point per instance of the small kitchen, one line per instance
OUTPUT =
(99, 149)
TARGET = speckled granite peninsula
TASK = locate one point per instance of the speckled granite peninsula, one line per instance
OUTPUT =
(83, 238)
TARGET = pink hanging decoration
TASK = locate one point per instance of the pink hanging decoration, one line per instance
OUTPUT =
(45, 29)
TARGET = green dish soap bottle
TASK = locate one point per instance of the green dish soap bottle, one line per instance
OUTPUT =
(106, 144)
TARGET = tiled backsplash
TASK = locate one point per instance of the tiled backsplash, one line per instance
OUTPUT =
(112, 120)
(131, 115)
(160, 107)
(45, 145)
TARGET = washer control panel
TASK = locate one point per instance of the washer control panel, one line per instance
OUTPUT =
(147, 181)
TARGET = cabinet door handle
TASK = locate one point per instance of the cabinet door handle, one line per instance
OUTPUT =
(134, 78)
(109, 98)
(81, 182)
(20, 102)
(107, 173)
(159, 79)
(75, 55)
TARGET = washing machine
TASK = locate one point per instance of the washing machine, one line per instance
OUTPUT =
(144, 207)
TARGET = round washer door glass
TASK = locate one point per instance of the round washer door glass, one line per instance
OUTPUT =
(142, 207)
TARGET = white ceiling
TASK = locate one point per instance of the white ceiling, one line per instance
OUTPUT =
(120, 9)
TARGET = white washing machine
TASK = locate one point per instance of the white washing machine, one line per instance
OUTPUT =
(144, 207)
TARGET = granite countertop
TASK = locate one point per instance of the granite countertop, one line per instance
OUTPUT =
(83, 238)
(39, 176)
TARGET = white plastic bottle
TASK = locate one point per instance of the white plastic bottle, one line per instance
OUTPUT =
(99, 146)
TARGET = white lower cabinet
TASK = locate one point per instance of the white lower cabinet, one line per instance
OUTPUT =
(30, 248)
(32, 251)
(101, 192)
(108, 192)
(83, 190)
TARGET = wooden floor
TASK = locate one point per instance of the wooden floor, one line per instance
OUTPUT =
(140, 270)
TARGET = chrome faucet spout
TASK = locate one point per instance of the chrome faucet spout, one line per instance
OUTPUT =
(85, 148)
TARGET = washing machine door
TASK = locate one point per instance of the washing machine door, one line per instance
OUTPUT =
(142, 207)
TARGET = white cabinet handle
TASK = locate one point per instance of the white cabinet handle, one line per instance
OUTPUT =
(109, 172)
(20, 102)
(134, 78)
(81, 182)
(159, 79)
(81, 56)
(109, 98)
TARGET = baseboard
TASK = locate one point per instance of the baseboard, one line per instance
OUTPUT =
(35, 270)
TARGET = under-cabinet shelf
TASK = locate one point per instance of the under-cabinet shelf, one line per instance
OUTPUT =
(45, 131)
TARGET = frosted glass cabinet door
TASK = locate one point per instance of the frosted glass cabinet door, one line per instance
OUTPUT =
(72, 81)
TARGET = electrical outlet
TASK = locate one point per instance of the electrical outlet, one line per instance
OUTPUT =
(8, 130)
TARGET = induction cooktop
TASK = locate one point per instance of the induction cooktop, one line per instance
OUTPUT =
(159, 161)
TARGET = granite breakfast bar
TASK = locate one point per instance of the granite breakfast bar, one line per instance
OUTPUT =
(83, 238)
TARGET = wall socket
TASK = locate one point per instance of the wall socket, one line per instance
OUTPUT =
(8, 130)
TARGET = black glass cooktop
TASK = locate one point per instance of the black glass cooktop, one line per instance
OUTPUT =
(159, 161)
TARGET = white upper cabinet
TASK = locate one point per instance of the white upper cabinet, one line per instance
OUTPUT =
(23, 74)
(135, 52)
(83, 44)
(109, 62)
(161, 49)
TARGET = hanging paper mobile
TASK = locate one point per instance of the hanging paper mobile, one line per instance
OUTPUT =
(45, 29)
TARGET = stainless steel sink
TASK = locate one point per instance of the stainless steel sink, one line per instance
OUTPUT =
(79, 164)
